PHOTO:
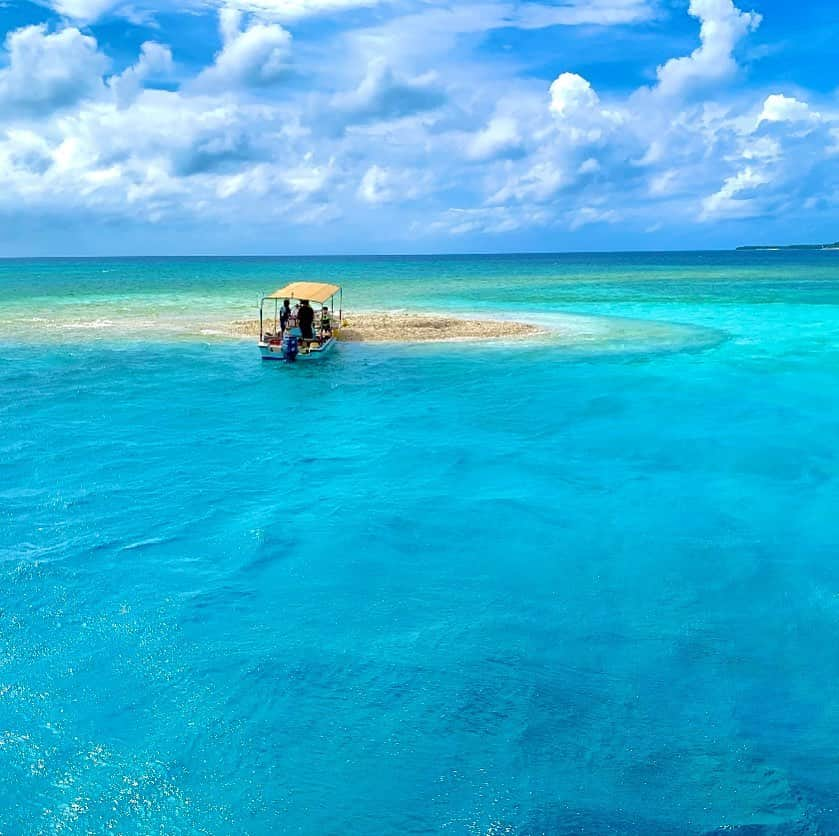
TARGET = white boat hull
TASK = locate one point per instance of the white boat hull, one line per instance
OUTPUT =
(271, 351)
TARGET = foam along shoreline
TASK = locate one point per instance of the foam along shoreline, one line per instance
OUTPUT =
(416, 328)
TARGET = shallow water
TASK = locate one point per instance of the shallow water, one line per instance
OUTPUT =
(572, 585)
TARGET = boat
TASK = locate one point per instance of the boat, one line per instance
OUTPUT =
(289, 346)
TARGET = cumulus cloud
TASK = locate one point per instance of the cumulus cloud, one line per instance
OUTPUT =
(47, 71)
(780, 108)
(257, 55)
(166, 156)
(385, 94)
(578, 111)
(736, 197)
(722, 27)
(155, 62)
(571, 94)
(576, 127)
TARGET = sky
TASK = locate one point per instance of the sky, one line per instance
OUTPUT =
(262, 127)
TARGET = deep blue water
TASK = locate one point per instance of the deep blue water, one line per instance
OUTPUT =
(536, 588)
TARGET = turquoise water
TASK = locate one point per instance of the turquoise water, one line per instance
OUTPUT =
(582, 584)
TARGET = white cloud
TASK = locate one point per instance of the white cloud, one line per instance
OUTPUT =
(255, 56)
(388, 185)
(308, 178)
(762, 149)
(166, 155)
(84, 11)
(577, 110)
(723, 26)
(24, 151)
(728, 203)
(780, 108)
(230, 21)
(576, 127)
(538, 183)
(374, 186)
(155, 61)
(664, 183)
(501, 137)
(386, 94)
(571, 94)
(47, 70)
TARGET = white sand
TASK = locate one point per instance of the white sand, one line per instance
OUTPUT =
(415, 328)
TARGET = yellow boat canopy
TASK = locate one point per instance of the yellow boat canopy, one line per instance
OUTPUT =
(313, 291)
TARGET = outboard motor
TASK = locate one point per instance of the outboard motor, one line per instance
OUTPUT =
(291, 347)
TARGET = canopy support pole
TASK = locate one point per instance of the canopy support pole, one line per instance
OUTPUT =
(261, 302)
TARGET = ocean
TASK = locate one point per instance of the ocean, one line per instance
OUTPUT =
(583, 583)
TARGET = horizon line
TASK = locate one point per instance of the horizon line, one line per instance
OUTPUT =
(464, 254)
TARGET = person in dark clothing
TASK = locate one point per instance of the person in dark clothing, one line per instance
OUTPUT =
(306, 317)
(285, 313)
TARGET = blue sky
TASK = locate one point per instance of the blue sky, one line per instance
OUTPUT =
(373, 126)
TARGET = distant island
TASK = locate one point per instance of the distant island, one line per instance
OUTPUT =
(833, 246)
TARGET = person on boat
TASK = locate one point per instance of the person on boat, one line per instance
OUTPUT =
(305, 319)
(291, 324)
(325, 322)
(285, 313)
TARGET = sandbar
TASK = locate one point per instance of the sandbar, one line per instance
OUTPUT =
(416, 328)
